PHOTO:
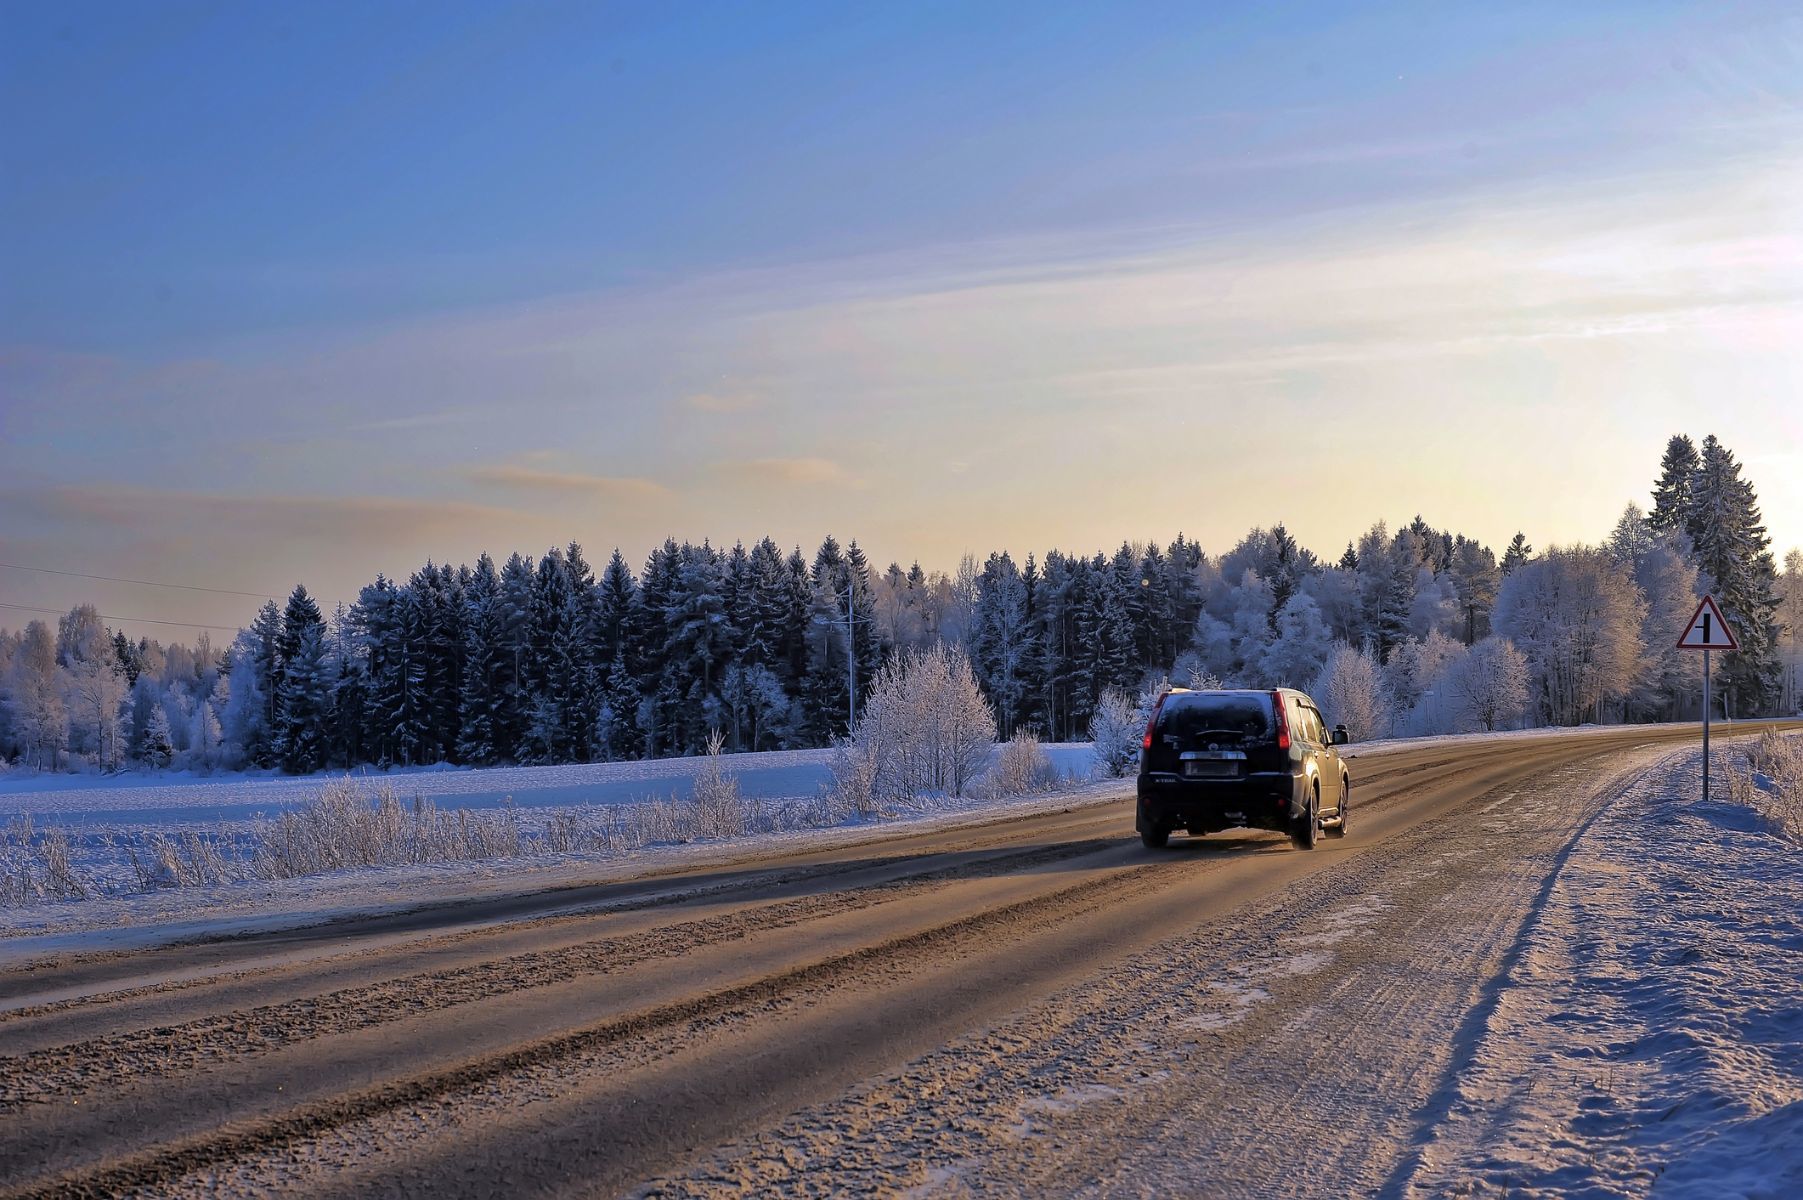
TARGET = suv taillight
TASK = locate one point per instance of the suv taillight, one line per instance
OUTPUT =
(1152, 722)
(1283, 722)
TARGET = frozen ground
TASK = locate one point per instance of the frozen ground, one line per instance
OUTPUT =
(1650, 1036)
(175, 797)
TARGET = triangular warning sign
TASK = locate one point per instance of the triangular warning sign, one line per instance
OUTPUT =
(1707, 630)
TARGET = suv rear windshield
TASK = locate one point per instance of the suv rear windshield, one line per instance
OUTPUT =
(1246, 715)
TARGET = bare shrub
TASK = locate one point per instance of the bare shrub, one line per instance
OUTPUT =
(38, 866)
(1772, 783)
(1022, 767)
(853, 769)
(341, 828)
(719, 809)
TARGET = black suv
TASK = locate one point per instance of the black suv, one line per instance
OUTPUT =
(1241, 759)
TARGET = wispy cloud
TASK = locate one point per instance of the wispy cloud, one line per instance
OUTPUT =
(522, 478)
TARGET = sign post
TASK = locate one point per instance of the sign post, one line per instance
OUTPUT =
(1707, 631)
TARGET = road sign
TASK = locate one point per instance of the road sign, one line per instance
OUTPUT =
(1707, 630)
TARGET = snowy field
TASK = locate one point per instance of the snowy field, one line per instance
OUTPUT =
(175, 797)
(1650, 1037)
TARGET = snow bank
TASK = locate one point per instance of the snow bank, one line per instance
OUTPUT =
(1650, 1034)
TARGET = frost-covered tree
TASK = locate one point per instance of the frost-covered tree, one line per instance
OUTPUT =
(242, 719)
(1411, 681)
(1671, 679)
(927, 728)
(1489, 685)
(1435, 607)
(1790, 622)
(1576, 617)
(1294, 657)
(1116, 732)
(35, 700)
(1351, 693)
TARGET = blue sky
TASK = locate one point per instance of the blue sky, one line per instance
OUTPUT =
(311, 291)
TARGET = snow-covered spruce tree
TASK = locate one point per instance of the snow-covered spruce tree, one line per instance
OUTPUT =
(1350, 692)
(512, 621)
(264, 649)
(1733, 549)
(305, 692)
(301, 687)
(1386, 573)
(699, 645)
(1489, 685)
(1517, 553)
(588, 668)
(550, 663)
(1576, 617)
(158, 748)
(482, 654)
(926, 728)
(1000, 637)
(1672, 505)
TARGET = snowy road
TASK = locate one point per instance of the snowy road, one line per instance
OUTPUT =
(1036, 1005)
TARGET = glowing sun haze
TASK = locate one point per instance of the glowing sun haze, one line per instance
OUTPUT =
(312, 293)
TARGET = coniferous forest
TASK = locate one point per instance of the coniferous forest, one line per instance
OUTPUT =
(555, 660)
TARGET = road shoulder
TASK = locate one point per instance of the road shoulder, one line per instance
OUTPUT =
(1650, 1035)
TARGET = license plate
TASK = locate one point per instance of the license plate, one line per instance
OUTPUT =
(1211, 769)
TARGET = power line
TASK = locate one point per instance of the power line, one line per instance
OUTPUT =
(52, 612)
(186, 587)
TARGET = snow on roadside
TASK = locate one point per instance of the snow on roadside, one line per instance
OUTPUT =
(32, 932)
(1649, 1039)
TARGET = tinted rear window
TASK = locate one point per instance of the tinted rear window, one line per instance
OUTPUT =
(1242, 714)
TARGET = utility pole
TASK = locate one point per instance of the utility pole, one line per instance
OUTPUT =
(851, 659)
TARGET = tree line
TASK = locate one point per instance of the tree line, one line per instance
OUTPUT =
(547, 660)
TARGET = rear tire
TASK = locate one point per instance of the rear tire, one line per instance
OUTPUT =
(1155, 838)
(1338, 829)
(1306, 829)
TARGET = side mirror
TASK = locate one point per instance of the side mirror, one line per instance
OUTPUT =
(1340, 737)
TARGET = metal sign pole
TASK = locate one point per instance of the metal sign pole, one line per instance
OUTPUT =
(1705, 727)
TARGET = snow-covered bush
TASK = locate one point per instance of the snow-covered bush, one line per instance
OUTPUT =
(926, 728)
(1022, 767)
(1772, 783)
(1116, 733)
